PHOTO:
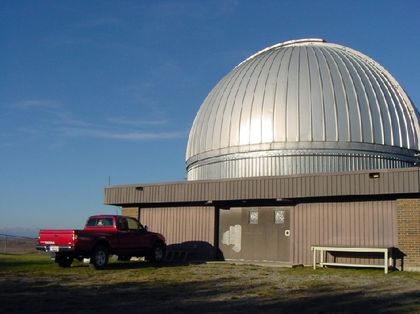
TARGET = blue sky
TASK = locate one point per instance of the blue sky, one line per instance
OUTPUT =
(92, 90)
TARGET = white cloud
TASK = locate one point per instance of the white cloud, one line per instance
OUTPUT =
(38, 104)
(54, 119)
(119, 135)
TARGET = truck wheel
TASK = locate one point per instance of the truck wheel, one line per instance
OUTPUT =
(99, 257)
(157, 254)
(64, 260)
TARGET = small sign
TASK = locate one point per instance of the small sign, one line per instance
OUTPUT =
(279, 217)
(253, 217)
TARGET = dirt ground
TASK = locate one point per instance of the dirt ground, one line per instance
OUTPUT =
(36, 285)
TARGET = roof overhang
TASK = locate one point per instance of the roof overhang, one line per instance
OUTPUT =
(273, 190)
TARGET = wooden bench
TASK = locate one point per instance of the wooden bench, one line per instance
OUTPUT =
(324, 249)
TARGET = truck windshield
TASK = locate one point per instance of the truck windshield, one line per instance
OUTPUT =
(100, 222)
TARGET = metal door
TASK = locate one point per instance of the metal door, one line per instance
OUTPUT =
(255, 233)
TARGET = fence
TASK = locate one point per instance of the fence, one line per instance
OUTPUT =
(16, 244)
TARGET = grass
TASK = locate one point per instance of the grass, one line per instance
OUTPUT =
(33, 283)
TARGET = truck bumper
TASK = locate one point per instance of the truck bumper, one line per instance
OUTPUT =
(55, 248)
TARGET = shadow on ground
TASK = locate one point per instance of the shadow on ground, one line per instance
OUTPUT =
(217, 296)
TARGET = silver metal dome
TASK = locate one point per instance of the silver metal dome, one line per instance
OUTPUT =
(303, 106)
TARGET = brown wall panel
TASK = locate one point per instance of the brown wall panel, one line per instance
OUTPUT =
(181, 224)
(371, 224)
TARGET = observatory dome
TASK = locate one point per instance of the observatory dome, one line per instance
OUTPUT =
(301, 107)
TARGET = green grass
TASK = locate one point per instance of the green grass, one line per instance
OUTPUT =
(42, 265)
(219, 286)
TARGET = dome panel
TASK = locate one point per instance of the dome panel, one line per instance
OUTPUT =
(302, 107)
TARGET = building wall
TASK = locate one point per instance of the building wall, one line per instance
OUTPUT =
(379, 223)
(362, 223)
(178, 224)
(186, 229)
(370, 223)
(408, 218)
(130, 211)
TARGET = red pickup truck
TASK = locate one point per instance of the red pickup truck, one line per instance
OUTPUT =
(102, 236)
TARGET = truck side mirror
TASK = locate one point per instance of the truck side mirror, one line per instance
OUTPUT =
(146, 228)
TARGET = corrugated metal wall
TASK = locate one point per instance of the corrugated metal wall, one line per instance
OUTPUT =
(279, 163)
(181, 224)
(370, 224)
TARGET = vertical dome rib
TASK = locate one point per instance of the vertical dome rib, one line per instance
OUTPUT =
(212, 118)
(276, 116)
(246, 102)
(362, 100)
(235, 140)
(228, 108)
(352, 108)
(204, 131)
(311, 136)
(202, 118)
(305, 114)
(392, 111)
(229, 112)
(376, 118)
(280, 108)
(319, 97)
(302, 107)
(195, 139)
(340, 99)
(330, 106)
(382, 105)
(268, 98)
(292, 123)
(400, 114)
(257, 104)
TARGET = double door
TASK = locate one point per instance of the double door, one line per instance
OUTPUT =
(255, 233)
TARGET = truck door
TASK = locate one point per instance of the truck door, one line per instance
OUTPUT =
(137, 238)
(124, 237)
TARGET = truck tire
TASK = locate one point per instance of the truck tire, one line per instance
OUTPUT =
(158, 253)
(64, 260)
(99, 257)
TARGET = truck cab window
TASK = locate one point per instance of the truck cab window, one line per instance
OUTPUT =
(100, 222)
(132, 224)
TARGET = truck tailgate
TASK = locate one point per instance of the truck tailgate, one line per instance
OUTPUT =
(56, 237)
